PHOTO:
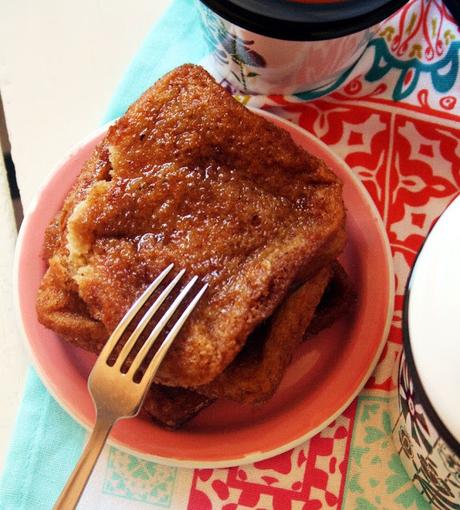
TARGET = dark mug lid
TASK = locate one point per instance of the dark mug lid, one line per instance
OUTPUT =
(304, 21)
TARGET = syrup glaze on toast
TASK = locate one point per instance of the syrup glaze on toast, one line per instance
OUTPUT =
(188, 175)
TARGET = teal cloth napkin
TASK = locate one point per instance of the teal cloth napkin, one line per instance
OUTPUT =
(47, 442)
(174, 40)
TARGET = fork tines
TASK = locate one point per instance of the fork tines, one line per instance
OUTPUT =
(159, 328)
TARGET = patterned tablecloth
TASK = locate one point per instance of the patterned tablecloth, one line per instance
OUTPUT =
(395, 120)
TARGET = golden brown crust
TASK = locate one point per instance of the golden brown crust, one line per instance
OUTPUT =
(337, 300)
(173, 407)
(199, 180)
(256, 372)
(61, 309)
(190, 176)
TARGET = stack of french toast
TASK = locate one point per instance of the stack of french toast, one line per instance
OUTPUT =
(192, 177)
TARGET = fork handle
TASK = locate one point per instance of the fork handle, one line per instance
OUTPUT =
(77, 481)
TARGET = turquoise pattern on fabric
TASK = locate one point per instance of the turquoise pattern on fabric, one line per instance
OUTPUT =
(136, 479)
(315, 94)
(443, 72)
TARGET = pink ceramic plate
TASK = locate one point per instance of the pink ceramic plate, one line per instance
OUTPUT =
(322, 380)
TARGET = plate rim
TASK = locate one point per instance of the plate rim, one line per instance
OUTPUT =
(254, 456)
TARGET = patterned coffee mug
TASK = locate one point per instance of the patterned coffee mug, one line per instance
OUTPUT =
(255, 62)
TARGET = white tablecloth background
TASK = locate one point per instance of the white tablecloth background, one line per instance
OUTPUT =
(60, 63)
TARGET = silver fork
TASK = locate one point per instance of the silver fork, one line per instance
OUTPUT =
(117, 395)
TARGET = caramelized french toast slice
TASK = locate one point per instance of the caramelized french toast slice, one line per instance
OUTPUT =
(197, 179)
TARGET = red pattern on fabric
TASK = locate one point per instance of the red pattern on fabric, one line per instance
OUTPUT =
(407, 155)
(410, 164)
(271, 479)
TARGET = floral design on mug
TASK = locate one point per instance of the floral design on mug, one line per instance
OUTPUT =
(432, 465)
(405, 443)
(433, 486)
(450, 462)
(228, 47)
(412, 411)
